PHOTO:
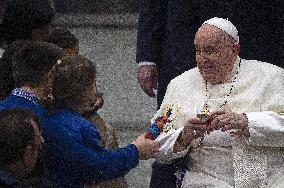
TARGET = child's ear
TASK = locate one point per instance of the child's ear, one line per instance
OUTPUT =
(99, 102)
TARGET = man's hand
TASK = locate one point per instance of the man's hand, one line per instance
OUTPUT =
(193, 129)
(148, 79)
(227, 120)
(146, 147)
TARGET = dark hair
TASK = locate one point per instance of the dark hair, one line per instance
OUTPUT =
(6, 78)
(22, 16)
(17, 133)
(63, 38)
(34, 61)
(71, 79)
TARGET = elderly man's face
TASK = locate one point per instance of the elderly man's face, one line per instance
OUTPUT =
(215, 54)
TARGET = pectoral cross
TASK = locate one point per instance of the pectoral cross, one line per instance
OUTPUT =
(203, 114)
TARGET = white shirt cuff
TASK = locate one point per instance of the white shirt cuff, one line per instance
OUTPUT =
(146, 63)
(167, 141)
(266, 129)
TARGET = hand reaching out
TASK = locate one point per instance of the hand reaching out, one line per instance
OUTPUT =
(146, 147)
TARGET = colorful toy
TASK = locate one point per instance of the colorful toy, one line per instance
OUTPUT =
(163, 123)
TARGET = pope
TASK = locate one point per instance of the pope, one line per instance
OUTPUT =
(243, 101)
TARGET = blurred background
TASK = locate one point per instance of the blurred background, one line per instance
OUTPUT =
(97, 6)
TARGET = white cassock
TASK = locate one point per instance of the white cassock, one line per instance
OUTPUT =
(223, 161)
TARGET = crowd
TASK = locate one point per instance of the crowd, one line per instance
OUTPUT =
(224, 119)
(42, 72)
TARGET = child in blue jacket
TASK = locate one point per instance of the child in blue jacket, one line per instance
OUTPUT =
(72, 149)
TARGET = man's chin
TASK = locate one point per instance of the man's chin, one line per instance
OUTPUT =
(211, 79)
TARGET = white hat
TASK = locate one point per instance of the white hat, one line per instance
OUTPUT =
(224, 25)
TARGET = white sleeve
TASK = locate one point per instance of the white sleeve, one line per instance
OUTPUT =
(167, 141)
(267, 126)
(266, 129)
(278, 180)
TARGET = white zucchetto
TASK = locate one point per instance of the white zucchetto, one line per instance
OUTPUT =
(224, 25)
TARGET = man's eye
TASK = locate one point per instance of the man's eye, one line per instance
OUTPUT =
(209, 51)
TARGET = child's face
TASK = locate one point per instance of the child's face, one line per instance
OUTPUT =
(89, 99)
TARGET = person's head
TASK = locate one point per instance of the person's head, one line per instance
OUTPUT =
(6, 78)
(20, 140)
(216, 49)
(74, 84)
(26, 19)
(65, 40)
(33, 65)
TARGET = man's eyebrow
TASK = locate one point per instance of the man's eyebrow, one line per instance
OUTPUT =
(210, 46)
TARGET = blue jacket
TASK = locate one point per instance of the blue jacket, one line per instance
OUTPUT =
(13, 101)
(74, 155)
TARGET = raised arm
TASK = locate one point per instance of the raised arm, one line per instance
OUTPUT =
(91, 161)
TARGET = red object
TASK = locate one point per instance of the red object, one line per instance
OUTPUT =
(160, 121)
(149, 136)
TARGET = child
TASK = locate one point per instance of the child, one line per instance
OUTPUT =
(73, 152)
(20, 148)
(7, 83)
(65, 39)
(32, 67)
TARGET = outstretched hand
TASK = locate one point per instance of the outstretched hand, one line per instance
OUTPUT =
(146, 147)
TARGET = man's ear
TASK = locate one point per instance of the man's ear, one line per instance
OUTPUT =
(236, 48)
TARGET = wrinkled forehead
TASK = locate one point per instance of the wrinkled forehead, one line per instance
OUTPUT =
(209, 35)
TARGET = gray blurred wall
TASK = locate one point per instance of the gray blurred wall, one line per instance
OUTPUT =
(109, 40)
(97, 6)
